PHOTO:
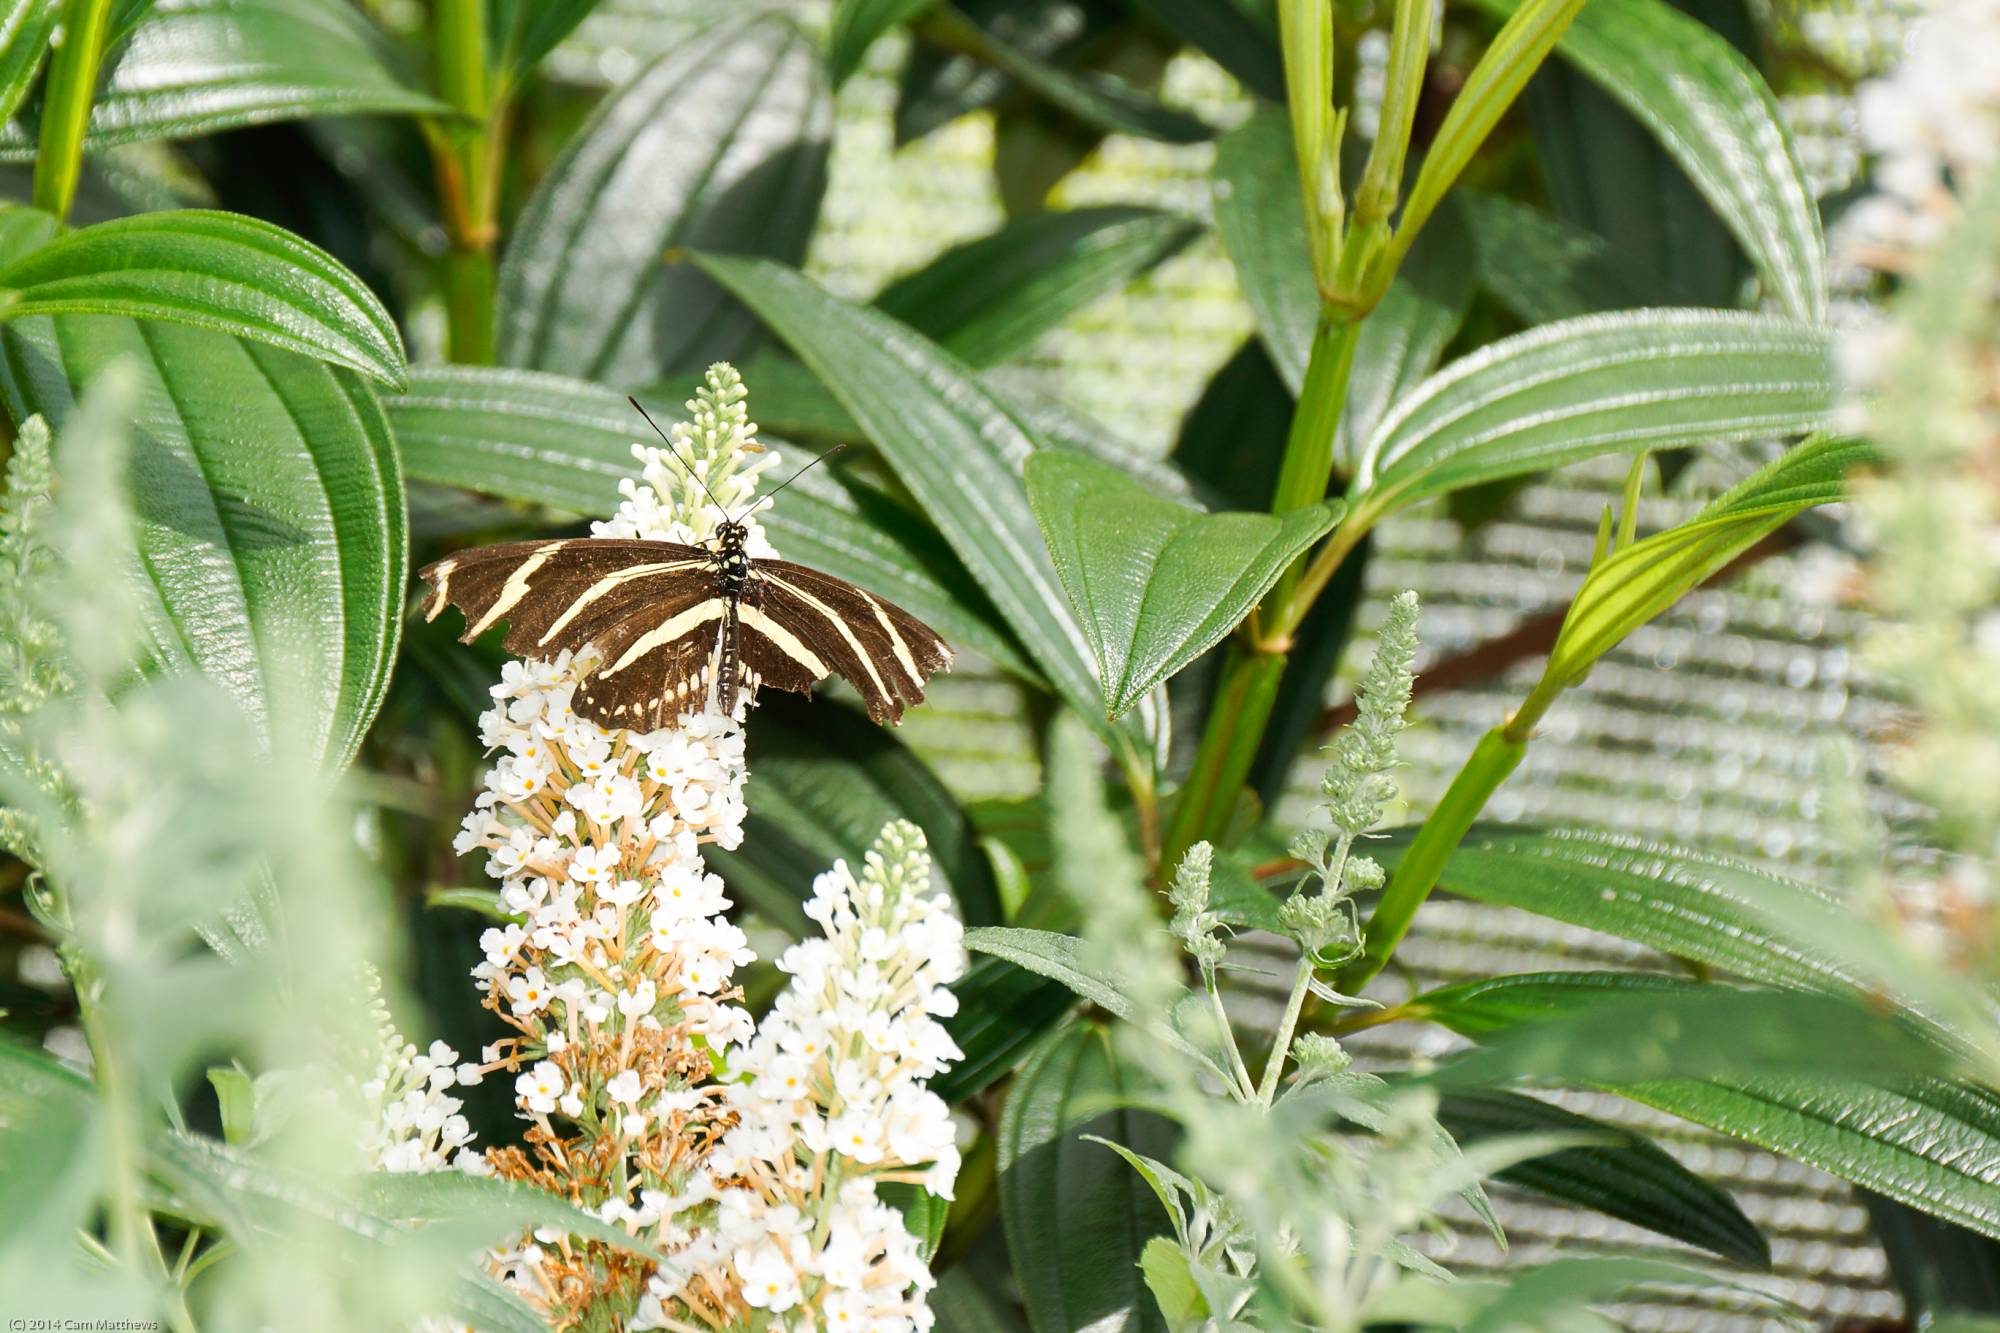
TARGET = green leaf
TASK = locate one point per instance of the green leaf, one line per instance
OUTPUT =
(957, 450)
(1003, 1010)
(1077, 1218)
(1171, 1281)
(1634, 1180)
(823, 782)
(923, 1213)
(963, 1303)
(220, 271)
(1095, 98)
(1538, 1297)
(991, 298)
(486, 1210)
(1490, 88)
(1925, 1142)
(721, 143)
(1155, 584)
(551, 440)
(1710, 109)
(939, 85)
(485, 902)
(236, 1098)
(1597, 385)
(25, 28)
(1541, 268)
(1238, 37)
(523, 31)
(856, 24)
(1627, 589)
(271, 515)
(193, 67)
(24, 231)
(1262, 218)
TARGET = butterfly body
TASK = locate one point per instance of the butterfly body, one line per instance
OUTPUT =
(670, 621)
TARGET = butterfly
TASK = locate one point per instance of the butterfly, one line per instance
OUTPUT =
(672, 622)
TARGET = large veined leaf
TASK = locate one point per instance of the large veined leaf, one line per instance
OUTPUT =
(551, 440)
(956, 449)
(823, 782)
(720, 144)
(1237, 37)
(1631, 1179)
(1710, 109)
(219, 271)
(1154, 583)
(1003, 1011)
(1923, 1141)
(1540, 267)
(25, 27)
(194, 67)
(943, 83)
(1062, 958)
(1076, 1216)
(270, 506)
(1596, 385)
(521, 32)
(990, 298)
(487, 1208)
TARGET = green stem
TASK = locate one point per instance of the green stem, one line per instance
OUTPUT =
(1409, 47)
(1227, 1035)
(1281, 1045)
(1244, 698)
(1493, 759)
(467, 162)
(1308, 463)
(72, 85)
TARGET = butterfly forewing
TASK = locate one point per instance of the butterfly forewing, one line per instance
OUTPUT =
(661, 621)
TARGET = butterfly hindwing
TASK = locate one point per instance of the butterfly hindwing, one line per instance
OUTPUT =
(881, 649)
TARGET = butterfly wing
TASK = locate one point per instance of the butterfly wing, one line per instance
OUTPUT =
(561, 594)
(804, 625)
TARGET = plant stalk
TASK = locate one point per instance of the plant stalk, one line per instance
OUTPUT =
(467, 163)
(1496, 756)
(1244, 697)
(72, 86)
(1281, 1045)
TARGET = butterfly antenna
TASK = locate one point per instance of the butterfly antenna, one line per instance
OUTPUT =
(771, 494)
(681, 456)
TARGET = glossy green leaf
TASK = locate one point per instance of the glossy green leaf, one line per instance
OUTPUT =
(1555, 1294)
(1597, 385)
(220, 271)
(1003, 1011)
(194, 67)
(1923, 1141)
(566, 443)
(721, 143)
(823, 782)
(941, 83)
(25, 28)
(1077, 1218)
(1235, 36)
(1154, 583)
(1710, 109)
(1540, 267)
(964, 1304)
(856, 24)
(1632, 1180)
(1097, 99)
(1262, 218)
(486, 1209)
(271, 514)
(956, 449)
(1062, 958)
(991, 298)
(1630, 587)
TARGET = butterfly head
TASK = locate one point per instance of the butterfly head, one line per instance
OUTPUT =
(731, 535)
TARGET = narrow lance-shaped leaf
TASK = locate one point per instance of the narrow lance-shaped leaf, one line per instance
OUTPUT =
(720, 143)
(195, 67)
(1262, 217)
(1155, 584)
(219, 271)
(567, 443)
(269, 497)
(857, 23)
(956, 449)
(25, 27)
(1714, 114)
(1597, 385)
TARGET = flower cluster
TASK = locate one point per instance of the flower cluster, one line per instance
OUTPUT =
(412, 1123)
(650, 1096)
(831, 1105)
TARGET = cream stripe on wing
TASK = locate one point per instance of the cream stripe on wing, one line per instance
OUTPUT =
(909, 663)
(615, 579)
(688, 620)
(441, 572)
(514, 589)
(867, 658)
(784, 640)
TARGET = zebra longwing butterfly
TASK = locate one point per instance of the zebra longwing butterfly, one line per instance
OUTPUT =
(669, 620)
